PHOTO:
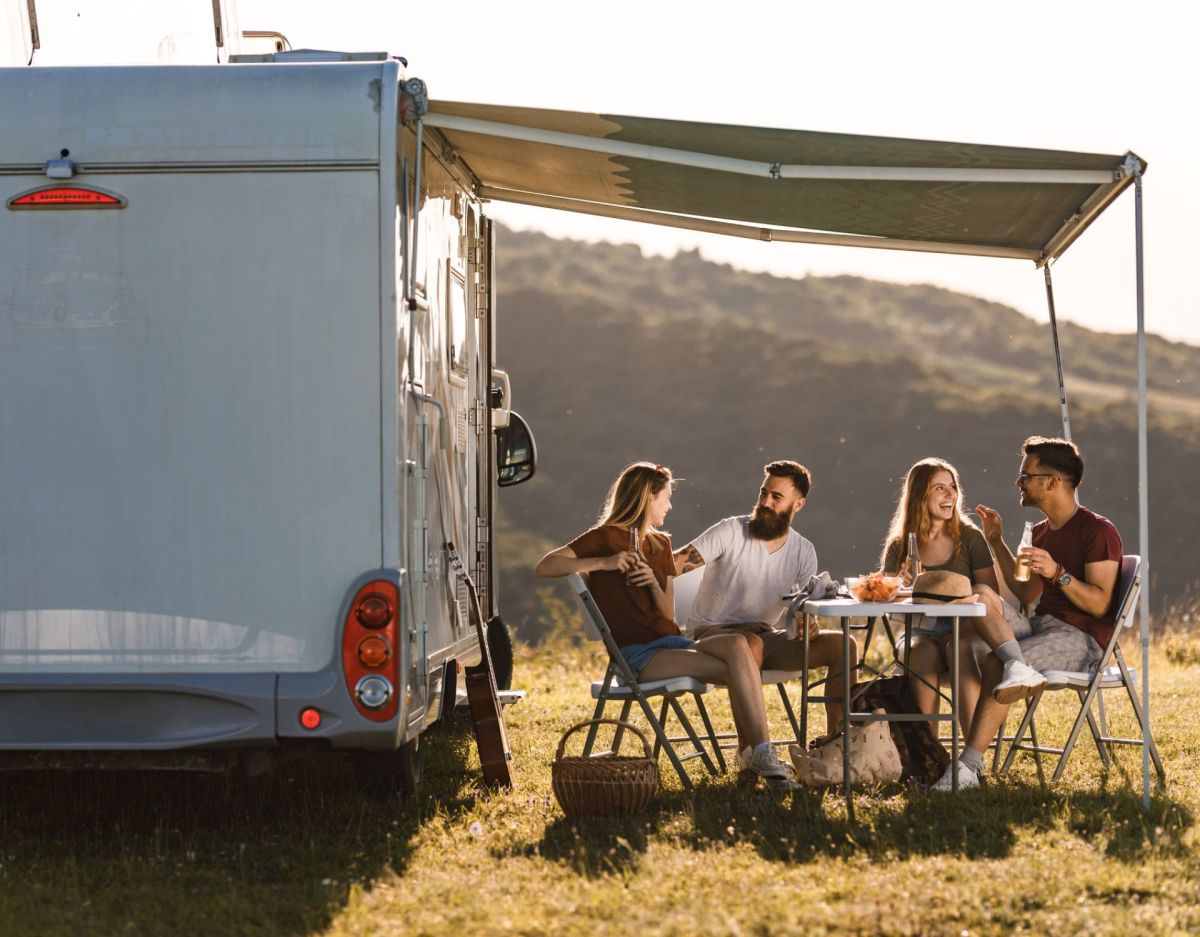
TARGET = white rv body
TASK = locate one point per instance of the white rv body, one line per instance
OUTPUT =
(228, 402)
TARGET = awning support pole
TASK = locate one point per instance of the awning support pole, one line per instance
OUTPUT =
(1143, 481)
(1062, 386)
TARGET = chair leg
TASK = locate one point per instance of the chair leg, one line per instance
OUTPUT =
(620, 733)
(708, 727)
(1097, 734)
(661, 739)
(1037, 752)
(1084, 712)
(662, 721)
(691, 733)
(998, 741)
(601, 702)
(791, 714)
(1030, 706)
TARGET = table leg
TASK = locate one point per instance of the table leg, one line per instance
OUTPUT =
(802, 739)
(845, 623)
(954, 709)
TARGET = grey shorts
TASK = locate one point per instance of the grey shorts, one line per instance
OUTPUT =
(1056, 645)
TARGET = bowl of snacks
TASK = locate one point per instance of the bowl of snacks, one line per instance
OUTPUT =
(874, 587)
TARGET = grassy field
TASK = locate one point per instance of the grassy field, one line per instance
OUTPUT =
(301, 852)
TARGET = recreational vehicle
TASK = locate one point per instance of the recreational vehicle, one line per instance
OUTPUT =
(251, 424)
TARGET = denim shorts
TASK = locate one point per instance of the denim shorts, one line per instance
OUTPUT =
(637, 656)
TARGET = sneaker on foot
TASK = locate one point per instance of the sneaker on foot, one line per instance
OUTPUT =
(1020, 681)
(764, 762)
(968, 778)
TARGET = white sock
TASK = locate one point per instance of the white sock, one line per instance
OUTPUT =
(972, 759)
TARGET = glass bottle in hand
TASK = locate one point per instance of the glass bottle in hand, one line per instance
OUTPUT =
(1022, 571)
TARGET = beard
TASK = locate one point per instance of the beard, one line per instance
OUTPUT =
(766, 524)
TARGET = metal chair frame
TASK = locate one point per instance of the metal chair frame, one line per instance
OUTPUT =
(620, 684)
(1088, 687)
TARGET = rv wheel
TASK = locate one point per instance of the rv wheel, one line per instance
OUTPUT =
(501, 647)
(383, 774)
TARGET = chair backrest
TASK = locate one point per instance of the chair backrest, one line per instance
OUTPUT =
(590, 611)
(596, 628)
(686, 588)
(1126, 590)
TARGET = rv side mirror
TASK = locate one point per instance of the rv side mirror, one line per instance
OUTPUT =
(516, 452)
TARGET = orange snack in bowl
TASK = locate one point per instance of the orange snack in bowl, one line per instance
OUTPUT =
(875, 587)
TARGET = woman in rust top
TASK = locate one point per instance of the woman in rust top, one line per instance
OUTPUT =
(627, 562)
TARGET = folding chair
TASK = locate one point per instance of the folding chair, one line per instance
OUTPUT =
(619, 684)
(686, 588)
(1088, 687)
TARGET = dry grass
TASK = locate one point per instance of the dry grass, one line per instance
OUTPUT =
(304, 853)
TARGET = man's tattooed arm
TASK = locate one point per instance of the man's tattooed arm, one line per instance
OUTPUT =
(686, 559)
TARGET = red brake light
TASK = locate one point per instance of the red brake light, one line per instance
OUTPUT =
(373, 610)
(66, 196)
(310, 718)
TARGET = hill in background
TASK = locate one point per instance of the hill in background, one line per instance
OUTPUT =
(715, 371)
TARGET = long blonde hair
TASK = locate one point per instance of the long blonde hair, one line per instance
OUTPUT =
(911, 515)
(630, 495)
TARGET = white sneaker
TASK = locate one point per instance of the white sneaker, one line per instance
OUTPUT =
(764, 762)
(1020, 682)
(968, 778)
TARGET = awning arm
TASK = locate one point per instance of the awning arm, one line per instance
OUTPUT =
(1062, 387)
(1099, 200)
(713, 226)
(749, 167)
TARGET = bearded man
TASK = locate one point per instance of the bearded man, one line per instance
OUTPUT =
(751, 562)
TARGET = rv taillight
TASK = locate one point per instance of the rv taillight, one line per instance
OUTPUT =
(310, 718)
(373, 610)
(374, 651)
(370, 644)
(66, 196)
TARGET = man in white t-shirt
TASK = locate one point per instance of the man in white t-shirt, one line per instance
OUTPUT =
(750, 562)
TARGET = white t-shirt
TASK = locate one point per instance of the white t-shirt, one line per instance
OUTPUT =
(742, 581)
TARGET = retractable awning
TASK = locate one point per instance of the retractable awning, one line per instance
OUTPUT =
(787, 185)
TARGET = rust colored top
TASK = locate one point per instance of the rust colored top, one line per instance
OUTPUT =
(629, 610)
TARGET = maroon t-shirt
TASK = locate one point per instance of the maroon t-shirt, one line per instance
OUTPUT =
(1085, 538)
(632, 616)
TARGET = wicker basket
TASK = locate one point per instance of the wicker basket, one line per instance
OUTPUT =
(604, 785)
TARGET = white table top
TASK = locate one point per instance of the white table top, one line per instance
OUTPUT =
(846, 608)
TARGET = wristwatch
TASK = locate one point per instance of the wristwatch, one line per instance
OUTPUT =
(1064, 580)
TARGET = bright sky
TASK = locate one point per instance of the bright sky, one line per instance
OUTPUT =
(1087, 75)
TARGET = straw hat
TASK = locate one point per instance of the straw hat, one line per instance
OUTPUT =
(941, 585)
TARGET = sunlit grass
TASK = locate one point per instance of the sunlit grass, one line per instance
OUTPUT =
(302, 852)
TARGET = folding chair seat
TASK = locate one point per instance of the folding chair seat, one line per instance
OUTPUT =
(1089, 686)
(686, 588)
(620, 685)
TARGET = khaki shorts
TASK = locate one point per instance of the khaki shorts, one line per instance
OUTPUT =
(779, 651)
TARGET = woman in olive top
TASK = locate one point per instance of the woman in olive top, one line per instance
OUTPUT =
(931, 505)
(628, 564)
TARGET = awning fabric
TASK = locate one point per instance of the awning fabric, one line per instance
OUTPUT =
(787, 184)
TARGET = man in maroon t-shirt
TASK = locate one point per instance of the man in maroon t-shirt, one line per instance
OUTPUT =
(1075, 559)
